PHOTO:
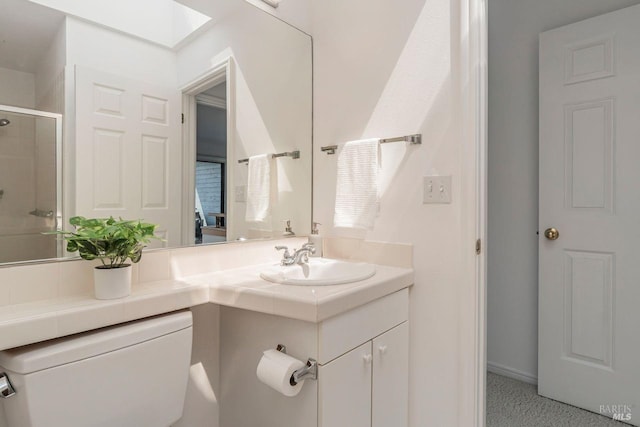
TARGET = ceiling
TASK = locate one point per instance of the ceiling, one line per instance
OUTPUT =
(27, 28)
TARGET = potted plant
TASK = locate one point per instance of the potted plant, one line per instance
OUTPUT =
(112, 242)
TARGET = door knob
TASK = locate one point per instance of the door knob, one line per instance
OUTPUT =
(551, 233)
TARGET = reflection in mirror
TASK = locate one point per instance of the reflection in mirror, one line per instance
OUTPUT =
(29, 183)
(156, 110)
(211, 160)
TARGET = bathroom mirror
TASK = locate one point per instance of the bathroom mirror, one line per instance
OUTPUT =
(155, 108)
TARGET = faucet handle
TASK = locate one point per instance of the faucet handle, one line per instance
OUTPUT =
(286, 251)
(310, 246)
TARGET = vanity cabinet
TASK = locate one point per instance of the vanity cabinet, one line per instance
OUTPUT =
(364, 365)
(390, 388)
(344, 389)
(362, 356)
(368, 386)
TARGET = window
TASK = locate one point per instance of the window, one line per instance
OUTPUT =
(210, 190)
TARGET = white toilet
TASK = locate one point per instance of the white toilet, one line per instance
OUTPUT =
(134, 374)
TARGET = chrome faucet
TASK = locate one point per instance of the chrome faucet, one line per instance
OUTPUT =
(300, 256)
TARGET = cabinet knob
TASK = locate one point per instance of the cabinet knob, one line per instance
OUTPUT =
(367, 358)
(382, 349)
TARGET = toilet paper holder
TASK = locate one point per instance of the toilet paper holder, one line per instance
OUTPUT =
(309, 371)
(6, 388)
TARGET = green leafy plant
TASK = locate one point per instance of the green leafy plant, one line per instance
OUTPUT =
(112, 241)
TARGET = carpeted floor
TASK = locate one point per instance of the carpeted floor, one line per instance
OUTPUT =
(512, 403)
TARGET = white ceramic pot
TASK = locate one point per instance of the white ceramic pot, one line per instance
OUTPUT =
(112, 283)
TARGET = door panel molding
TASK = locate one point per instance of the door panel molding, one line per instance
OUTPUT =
(588, 307)
(590, 59)
(589, 154)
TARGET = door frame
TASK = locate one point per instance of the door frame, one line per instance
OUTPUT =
(473, 327)
(220, 72)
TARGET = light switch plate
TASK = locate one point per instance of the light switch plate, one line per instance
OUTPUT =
(437, 189)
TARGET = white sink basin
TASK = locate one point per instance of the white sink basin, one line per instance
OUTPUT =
(319, 272)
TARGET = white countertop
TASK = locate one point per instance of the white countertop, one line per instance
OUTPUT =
(243, 288)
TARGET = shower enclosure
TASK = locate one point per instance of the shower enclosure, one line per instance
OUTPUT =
(30, 183)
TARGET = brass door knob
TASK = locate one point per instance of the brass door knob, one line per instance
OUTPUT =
(551, 233)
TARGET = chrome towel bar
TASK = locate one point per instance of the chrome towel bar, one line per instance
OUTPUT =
(411, 139)
(292, 154)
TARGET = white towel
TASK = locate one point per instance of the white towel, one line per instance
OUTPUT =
(259, 188)
(357, 184)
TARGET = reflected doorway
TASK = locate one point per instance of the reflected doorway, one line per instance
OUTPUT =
(211, 165)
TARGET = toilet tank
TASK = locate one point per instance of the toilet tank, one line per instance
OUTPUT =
(134, 374)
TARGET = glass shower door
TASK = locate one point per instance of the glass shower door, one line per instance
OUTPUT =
(29, 184)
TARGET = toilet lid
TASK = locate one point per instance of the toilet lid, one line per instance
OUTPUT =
(48, 354)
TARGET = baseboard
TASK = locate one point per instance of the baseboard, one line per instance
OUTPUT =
(511, 373)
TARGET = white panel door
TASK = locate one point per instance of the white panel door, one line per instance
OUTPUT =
(390, 389)
(344, 390)
(589, 278)
(128, 153)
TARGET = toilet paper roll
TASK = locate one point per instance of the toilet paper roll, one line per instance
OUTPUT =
(275, 369)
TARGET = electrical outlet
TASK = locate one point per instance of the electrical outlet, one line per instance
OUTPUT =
(437, 189)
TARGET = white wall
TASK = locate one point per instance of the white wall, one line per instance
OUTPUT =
(112, 52)
(49, 75)
(272, 66)
(389, 69)
(512, 308)
(17, 88)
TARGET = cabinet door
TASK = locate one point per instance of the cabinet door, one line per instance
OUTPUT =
(390, 395)
(344, 390)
